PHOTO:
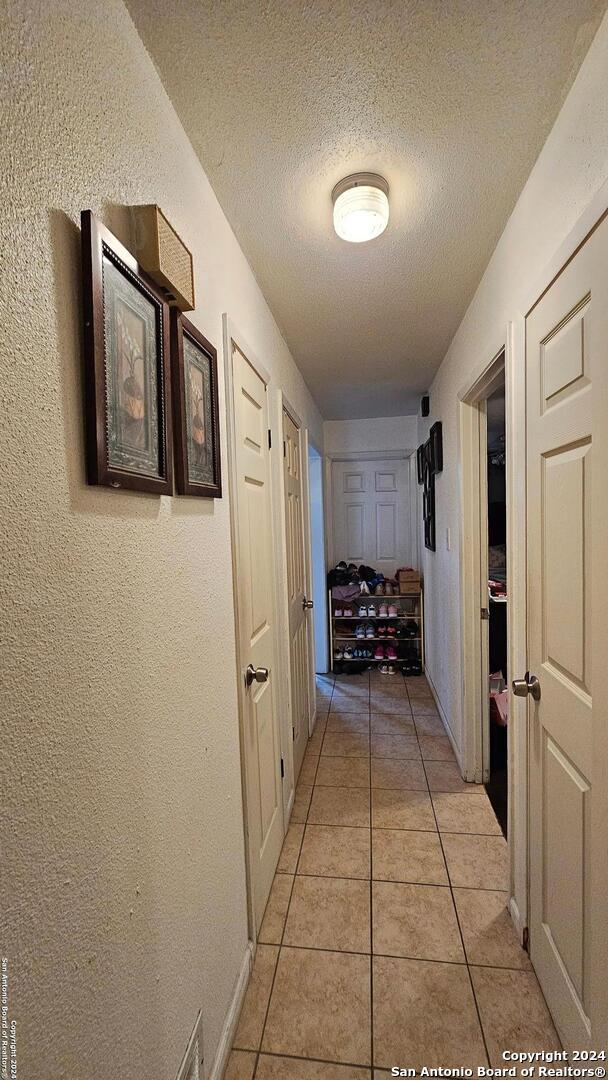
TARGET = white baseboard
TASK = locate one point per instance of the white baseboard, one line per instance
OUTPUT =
(232, 1017)
(444, 720)
(518, 922)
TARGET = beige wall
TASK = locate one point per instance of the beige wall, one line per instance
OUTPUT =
(367, 436)
(570, 170)
(123, 906)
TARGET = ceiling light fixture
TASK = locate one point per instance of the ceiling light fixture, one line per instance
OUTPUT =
(360, 207)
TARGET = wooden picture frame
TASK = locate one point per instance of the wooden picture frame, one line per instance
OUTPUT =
(127, 368)
(195, 411)
(436, 441)
(420, 463)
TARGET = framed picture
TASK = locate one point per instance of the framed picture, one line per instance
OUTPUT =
(436, 441)
(195, 411)
(420, 463)
(127, 368)
(429, 512)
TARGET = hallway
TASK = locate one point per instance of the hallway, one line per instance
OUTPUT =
(386, 940)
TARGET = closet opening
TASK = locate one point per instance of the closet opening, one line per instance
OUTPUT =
(497, 605)
(318, 560)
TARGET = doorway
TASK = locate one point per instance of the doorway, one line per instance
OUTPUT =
(318, 559)
(497, 604)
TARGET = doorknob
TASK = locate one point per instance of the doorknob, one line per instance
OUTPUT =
(307, 604)
(254, 674)
(528, 685)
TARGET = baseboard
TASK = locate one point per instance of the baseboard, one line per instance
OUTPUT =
(232, 1017)
(444, 720)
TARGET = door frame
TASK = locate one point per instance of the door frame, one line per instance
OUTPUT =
(231, 335)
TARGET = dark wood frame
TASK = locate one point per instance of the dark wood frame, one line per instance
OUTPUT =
(98, 241)
(420, 463)
(428, 500)
(436, 440)
(180, 327)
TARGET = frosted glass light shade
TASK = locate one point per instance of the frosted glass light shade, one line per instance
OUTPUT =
(360, 207)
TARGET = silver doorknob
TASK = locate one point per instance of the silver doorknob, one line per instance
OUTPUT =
(528, 685)
(256, 674)
(307, 604)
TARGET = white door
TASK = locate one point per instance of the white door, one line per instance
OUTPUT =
(255, 628)
(296, 591)
(371, 511)
(567, 354)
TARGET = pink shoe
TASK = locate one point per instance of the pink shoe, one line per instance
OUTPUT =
(383, 611)
(391, 653)
(378, 653)
(392, 611)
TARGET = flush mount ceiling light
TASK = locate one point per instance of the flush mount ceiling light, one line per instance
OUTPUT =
(360, 207)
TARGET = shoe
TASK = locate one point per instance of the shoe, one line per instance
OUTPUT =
(364, 588)
(338, 654)
(383, 611)
(384, 669)
(348, 613)
(388, 588)
(411, 628)
(363, 611)
(379, 653)
(371, 611)
(370, 631)
(348, 653)
(381, 631)
(391, 631)
(392, 670)
(391, 653)
(379, 590)
(338, 613)
(392, 610)
(360, 630)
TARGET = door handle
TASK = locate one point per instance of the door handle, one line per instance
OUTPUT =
(253, 674)
(307, 604)
(528, 685)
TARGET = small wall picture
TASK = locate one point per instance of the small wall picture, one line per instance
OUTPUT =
(436, 441)
(195, 411)
(127, 377)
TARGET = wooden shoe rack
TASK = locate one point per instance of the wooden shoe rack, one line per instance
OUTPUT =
(342, 627)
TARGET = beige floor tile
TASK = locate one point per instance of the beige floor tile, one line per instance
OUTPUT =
(445, 776)
(513, 1012)
(251, 1021)
(400, 809)
(395, 746)
(429, 725)
(339, 806)
(336, 744)
(280, 1068)
(424, 1014)
(316, 739)
(391, 724)
(241, 1065)
(416, 921)
(436, 748)
(308, 771)
(329, 913)
(273, 922)
(354, 700)
(477, 862)
(391, 704)
(416, 857)
(423, 706)
(355, 723)
(301, 802)
(461, 813)
(387, 773)
(320, 1007)
(487, 929)
(335, 852)
(343, 772)
(288, 859)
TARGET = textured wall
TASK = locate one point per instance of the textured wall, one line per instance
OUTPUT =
(123, 899)
(569, 171)
(365, 436)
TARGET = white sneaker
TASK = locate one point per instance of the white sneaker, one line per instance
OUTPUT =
(338, 654)
(363, 611)
(371, 610)
(364, 588)
(392, 670)
(384, 669)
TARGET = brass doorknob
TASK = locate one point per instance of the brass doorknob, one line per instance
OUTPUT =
(253, 674)
(528, 685)
(307, 604)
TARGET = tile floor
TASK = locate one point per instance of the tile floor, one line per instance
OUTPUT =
(386, 940)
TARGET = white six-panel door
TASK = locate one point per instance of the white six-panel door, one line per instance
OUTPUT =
(255, 627)
(567, 352)
(296, 590)
(371, 513)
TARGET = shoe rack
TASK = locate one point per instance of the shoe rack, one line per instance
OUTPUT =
(342, 628)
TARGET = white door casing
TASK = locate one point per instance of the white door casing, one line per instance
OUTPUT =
(255, 613)
(299, 616)
(566, 361)
(371, 512)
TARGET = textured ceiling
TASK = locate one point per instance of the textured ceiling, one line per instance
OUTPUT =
(451, 100)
